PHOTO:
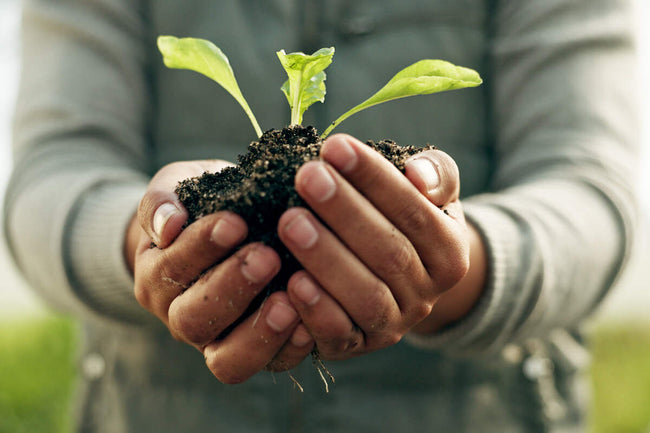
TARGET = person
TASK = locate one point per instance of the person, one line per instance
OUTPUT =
(466, 321)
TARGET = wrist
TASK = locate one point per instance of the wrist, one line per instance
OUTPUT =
(458, 301)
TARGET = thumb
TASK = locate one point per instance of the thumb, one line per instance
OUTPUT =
(160, 213)
(435, 174)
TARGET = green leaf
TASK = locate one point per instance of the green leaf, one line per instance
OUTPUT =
(314, 92)
(306, 83)
(204, 57)
(421, 78)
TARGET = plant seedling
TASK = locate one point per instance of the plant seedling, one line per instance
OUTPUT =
(306, 83)
(260, 187)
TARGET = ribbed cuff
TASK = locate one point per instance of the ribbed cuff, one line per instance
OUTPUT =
(97, 265)
(481, 329)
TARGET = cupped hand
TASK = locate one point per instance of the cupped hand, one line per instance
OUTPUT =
(194, 283)
(379, 248)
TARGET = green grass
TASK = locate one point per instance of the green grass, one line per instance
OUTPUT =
(37, 372)
(620, 376)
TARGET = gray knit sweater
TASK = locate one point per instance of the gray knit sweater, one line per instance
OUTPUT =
(547, 150)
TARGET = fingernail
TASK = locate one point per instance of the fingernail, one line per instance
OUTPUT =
(307, 291)
(301, 337)
(280, 316)
(301, 231)
(427, 172)
(257, 267)
(318, 183)
(160, 218)
(226, 234)
(342, 156)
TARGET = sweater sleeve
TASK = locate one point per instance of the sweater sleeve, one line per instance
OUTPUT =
(80, 153)
(559, 219)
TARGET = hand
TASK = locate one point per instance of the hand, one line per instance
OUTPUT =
(394, 245)
(195, 285)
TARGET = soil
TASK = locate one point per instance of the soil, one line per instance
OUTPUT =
(261, 187)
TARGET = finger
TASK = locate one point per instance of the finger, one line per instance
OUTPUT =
(434, 174)
(336, 336)
(254, 343)
(160, 213)
(394, 196)
(300, 345)
(353, 285)
(223, 294)
(164, 274)
(369, 234)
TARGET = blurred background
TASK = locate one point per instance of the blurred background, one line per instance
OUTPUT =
(37, 356)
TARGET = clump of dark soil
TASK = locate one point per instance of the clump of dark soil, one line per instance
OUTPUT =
(261, 186)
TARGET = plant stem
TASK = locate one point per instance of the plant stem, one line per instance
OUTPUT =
(295, 109)
(253, 120)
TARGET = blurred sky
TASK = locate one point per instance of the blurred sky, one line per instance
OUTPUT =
(631, 298)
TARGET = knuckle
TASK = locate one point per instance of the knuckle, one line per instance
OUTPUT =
(142, 286)
(416, 218)
(345, 344)
(399, 258)
(453, 273)
(222, 373)
(460, 270)
(355, 344)
(393, 338)
(176, 336)
(419, 312)
(385, 339)
(336, 344)
(143, 296)
(331, 351)
(426, 292)
(380, 317)
(337, 336)
(173, 273)
(184, 326)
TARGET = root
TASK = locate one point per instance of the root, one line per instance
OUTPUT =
(321, 368)
(295, 381)
(323, 372)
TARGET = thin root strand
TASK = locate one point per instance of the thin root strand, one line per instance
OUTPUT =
(321, 368)
(295, 381)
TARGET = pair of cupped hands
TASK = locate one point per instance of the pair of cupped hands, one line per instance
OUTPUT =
(391, 246)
